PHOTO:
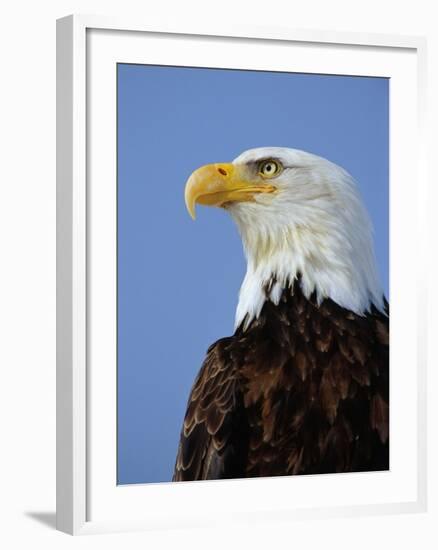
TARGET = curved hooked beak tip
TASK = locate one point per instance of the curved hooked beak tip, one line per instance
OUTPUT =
(218, 184)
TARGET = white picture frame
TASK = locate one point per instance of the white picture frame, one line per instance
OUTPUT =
(88, 499)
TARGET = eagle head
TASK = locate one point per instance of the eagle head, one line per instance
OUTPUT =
(301, 218)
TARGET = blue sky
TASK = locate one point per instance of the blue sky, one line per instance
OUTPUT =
(178, 280)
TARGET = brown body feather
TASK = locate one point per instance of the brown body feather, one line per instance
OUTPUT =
(304, 390)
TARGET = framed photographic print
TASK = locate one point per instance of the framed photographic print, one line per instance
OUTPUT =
(265, 360)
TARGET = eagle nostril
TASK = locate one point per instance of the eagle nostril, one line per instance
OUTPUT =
(222, 171)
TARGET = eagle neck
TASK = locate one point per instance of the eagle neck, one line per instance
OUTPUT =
(323, 267)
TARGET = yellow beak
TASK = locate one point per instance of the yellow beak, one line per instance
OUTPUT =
(218, 184)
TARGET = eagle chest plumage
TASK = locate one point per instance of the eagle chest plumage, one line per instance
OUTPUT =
(303, 390)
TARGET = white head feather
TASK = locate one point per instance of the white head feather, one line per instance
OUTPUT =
(315, 227)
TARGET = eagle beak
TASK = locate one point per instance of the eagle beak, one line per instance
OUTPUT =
(219, 184)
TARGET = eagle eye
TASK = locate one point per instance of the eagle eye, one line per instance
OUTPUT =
(269, 168)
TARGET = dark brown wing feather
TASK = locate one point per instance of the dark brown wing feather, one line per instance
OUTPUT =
(303, 390)
(212, 444)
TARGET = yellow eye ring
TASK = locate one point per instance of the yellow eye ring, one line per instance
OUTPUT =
(269, 168)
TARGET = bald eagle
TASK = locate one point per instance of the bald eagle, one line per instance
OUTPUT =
(302, 386)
